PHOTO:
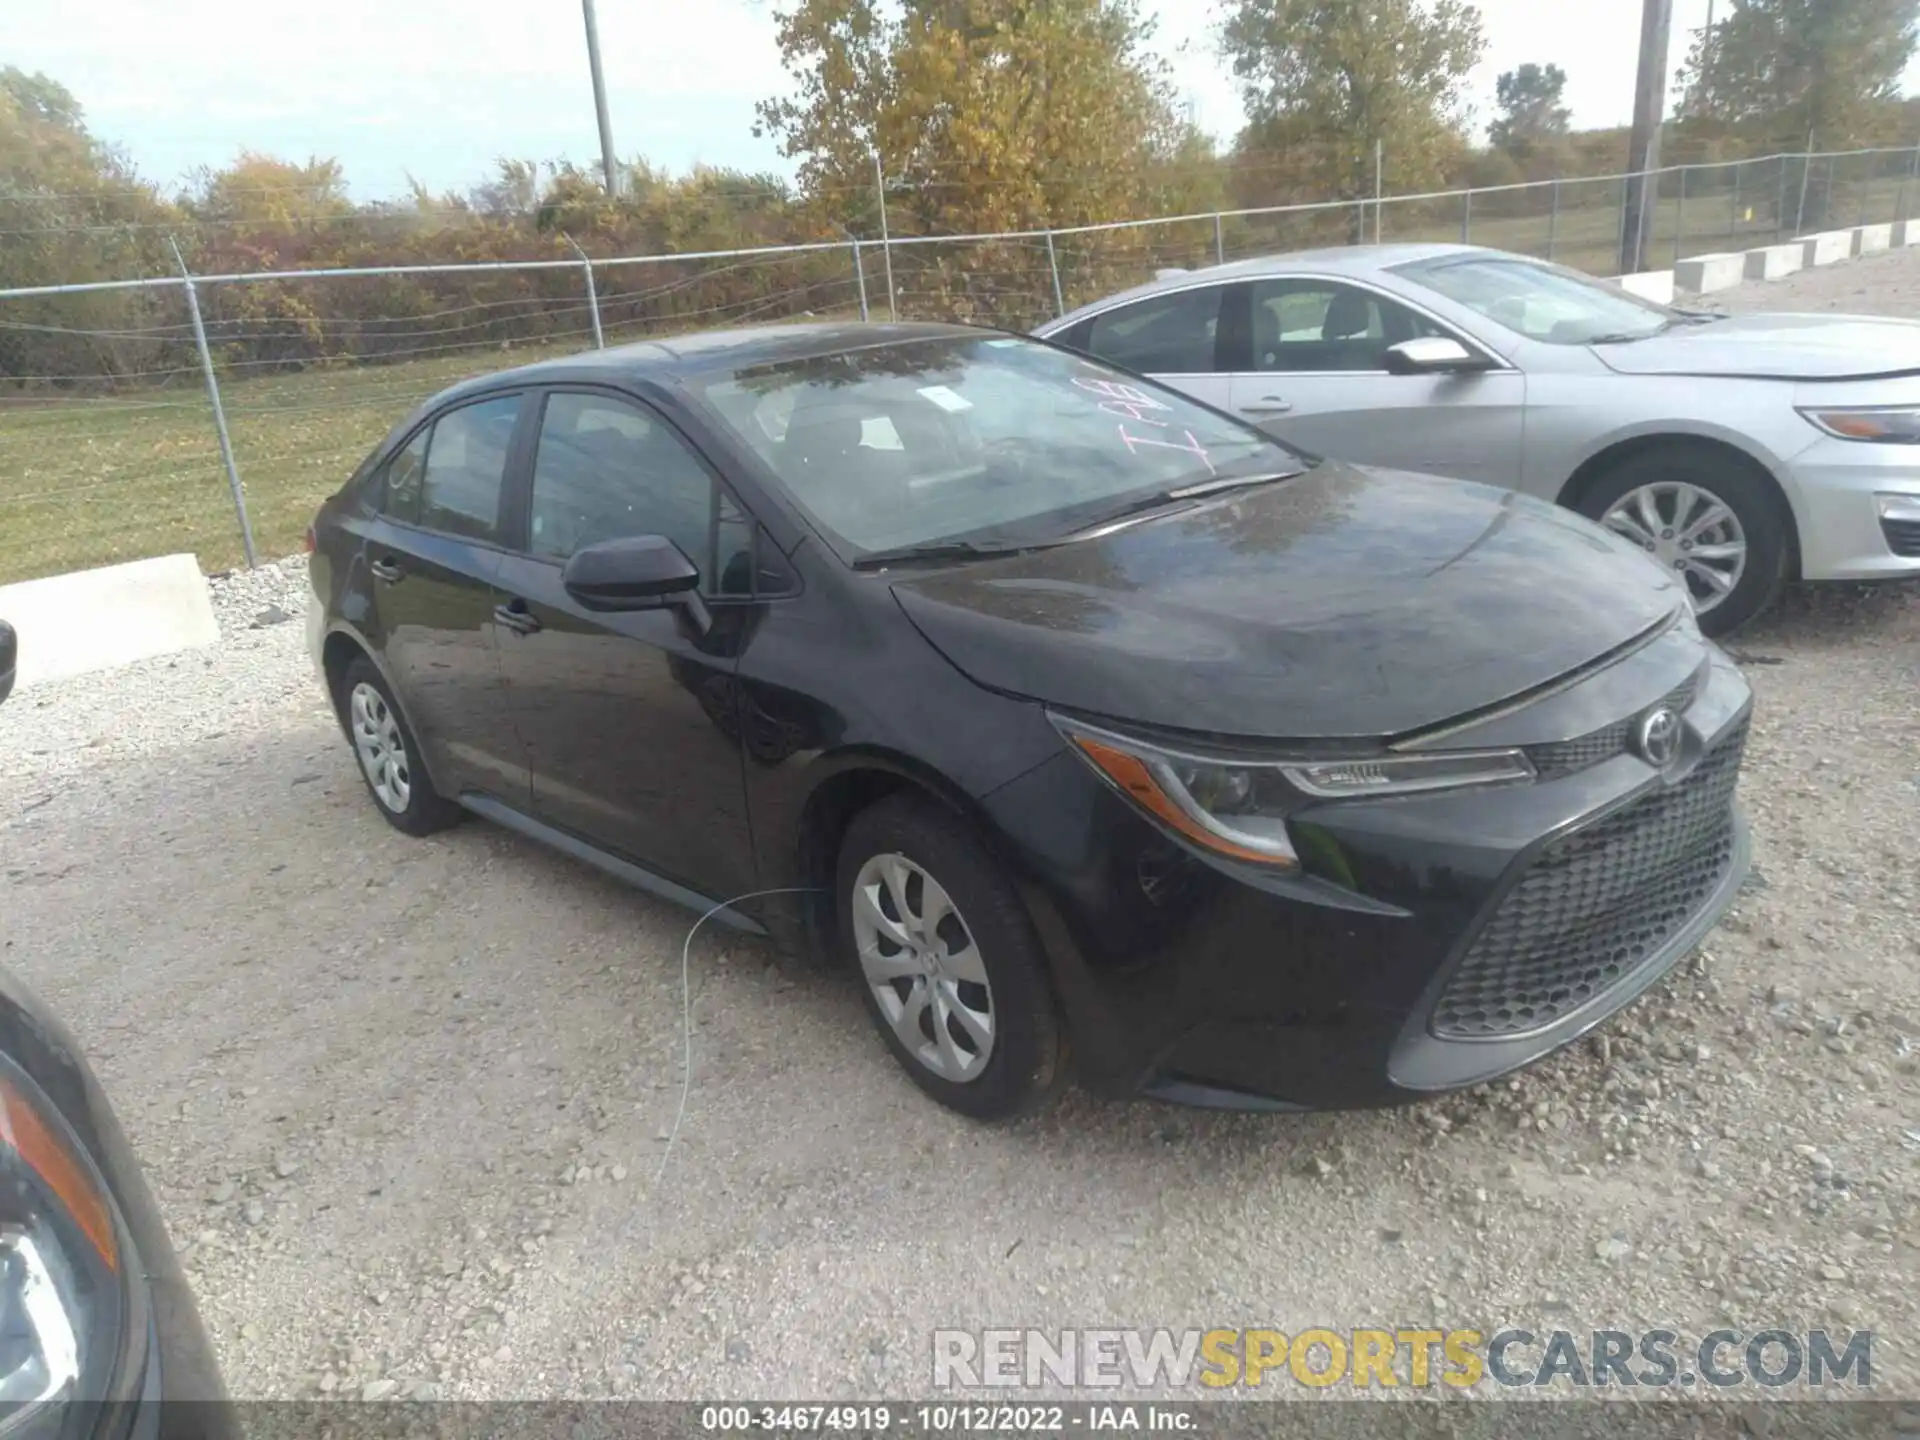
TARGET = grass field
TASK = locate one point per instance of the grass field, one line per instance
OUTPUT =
(87, 482)
(93, 481)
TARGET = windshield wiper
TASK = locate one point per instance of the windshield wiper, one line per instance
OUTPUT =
(1627, 337)
(1160, 499)
(946, 550)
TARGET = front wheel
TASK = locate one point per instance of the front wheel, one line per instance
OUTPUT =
(1721, 528)
(952, 972)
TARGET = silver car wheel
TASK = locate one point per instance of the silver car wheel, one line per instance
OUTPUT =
(1690, 531)
(920, 960)
(383, 754)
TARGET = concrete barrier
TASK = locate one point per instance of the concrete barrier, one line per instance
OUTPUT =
(1872, 239)
(1654, 285)
(1906, 232)
(1703, 274)
(1770, 262)
(1828, 248)
(97, 619)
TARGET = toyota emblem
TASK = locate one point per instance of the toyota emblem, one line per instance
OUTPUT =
(1658, 738)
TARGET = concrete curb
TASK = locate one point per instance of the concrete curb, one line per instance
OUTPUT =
(1717, 270)
(1703, 274)
(1829, 247)
(99, 619)
(1654, 285)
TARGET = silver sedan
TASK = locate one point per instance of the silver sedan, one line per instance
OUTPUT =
(1740, 451)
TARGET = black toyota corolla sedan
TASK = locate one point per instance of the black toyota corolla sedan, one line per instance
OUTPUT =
(99, 1335)
(1089, 721)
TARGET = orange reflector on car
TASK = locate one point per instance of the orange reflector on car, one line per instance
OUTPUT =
(28, 1135)
(1133, 777)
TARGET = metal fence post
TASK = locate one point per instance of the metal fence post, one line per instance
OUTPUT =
(886, 240)
(1553, 219)
(1220, 237)
(1466, 218)
(1866, 191)
(1735, 208)
(1053, 264)
(1679, 214)
(213, 397)
(1379, 187)
(593, 296)
(1800, 216)
(860, 278)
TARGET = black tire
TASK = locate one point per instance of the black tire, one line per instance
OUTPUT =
(425, 810)
(1755, 502)
(1025, 1064)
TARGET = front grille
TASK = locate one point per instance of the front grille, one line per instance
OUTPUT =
(1595, 905)
(1562, 757)
(1903, 537)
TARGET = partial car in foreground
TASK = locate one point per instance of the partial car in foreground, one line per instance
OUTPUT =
(99, 1334)
(1737, 451)
(1092, 721)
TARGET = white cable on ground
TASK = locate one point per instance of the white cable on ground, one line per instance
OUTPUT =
(686, 1010)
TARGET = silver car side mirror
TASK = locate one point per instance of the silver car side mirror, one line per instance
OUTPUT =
(1430, 355)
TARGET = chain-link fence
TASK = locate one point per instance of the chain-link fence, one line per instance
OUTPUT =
(128, 430)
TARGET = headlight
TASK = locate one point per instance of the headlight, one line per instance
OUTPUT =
(62, 1301)
(1239, 808)
(1889, 425)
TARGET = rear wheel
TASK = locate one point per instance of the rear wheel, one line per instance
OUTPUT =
(389, 755)
(1719, 525)
(953, 975)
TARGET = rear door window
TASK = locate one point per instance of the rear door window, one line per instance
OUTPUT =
(466, 463)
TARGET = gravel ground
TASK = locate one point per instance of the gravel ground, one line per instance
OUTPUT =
(403, 1101)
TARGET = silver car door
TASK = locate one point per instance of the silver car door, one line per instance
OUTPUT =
(1174, 336)
(1309, 358)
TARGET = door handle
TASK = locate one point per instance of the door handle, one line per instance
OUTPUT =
(388, 570)
(1268, 405)
(516, 617)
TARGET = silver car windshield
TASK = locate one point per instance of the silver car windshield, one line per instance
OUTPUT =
(1541, 302)
(996, 440)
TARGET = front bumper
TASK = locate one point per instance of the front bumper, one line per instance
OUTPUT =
(1842, 534)
(1435, 941)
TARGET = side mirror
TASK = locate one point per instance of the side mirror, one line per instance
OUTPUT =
(9, 658)
(638, 572)
(1433, 355)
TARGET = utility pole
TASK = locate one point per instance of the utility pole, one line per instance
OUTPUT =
(607, 161)
(1643, 153)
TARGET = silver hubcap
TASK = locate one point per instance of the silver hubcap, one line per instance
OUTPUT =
(1689, 531)
(383, 755)
(919, 957)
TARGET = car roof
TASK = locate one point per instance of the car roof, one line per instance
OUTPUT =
(1337, 259)
(707, 351)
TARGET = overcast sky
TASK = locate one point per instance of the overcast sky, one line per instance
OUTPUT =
(438, 89)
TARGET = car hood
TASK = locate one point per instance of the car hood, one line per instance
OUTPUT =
(1775, 347)
(1344, 603)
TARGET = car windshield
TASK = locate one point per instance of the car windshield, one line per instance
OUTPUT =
(1542, 302)
(992, 440)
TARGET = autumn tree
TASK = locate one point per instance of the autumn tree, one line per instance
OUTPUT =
(1776, 71)
(1531, 114)
(1324, 80)
(986, 114)
(72, 210)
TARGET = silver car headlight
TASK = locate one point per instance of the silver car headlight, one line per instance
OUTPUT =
(1239, 808)
(1882, 424)
(63, 1267)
